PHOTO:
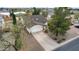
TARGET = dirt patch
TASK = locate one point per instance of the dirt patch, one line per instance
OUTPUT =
(30, 43)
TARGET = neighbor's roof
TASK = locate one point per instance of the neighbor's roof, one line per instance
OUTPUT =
(4, 13)
(8, 13)
(21, 12)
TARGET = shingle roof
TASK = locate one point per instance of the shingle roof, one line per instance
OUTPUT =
(34, 20)
(28, 21)
(38, 19)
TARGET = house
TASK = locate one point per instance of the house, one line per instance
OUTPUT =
(50, 13)
(34, 22)
(1, 23)
(7, 21)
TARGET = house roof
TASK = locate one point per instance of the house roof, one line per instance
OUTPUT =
(28, 22)
(71, 46)
(38, 19)
(5, 13)
(34, 20)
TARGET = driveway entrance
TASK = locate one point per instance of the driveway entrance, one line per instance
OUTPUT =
(45, 41)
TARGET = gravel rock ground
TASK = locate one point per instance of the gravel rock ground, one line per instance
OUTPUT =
(30, 43)
(7, 41)
(72, 32)
(9, 37)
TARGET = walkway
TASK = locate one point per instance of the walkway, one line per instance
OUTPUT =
(45, 41)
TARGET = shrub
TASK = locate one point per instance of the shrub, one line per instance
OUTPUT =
(18, 44)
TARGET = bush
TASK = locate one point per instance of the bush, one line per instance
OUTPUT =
(18, 44)
(46, 31)
(16, 32)
(16, 29)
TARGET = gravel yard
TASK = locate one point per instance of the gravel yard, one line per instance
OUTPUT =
(7, 41)
(30, 43)
(72, 32)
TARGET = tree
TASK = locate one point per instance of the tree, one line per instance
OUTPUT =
(28, 12)
(44, 13)
(13, 17)
(17, 34)
(18, 43)
(59, 24)
(36, 11)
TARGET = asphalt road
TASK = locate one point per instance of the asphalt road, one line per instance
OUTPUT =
(72, 46)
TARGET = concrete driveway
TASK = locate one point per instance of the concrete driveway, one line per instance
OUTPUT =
(44, 40)
(49, 44)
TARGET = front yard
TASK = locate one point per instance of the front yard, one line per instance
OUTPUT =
(7, 42)
(71, 33)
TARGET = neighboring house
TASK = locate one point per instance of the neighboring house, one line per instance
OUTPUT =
(1, 23)
(75, 11)
(21, 12)
(50, 13)
(32, 22)
(74, 21)
(7, 21)
(71, 18)
(20, 20)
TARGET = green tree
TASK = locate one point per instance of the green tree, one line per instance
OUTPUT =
(17, 34)
(44, 13)
(13, 17)
(18, 43)
(59, 24)
(36, 11)
(28, 12)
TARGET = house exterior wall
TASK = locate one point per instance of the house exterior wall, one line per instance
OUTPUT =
(1, 23)
(7, 23)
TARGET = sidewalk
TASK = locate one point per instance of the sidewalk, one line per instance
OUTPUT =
(45, 41)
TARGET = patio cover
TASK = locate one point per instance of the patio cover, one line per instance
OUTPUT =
(36, 28)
